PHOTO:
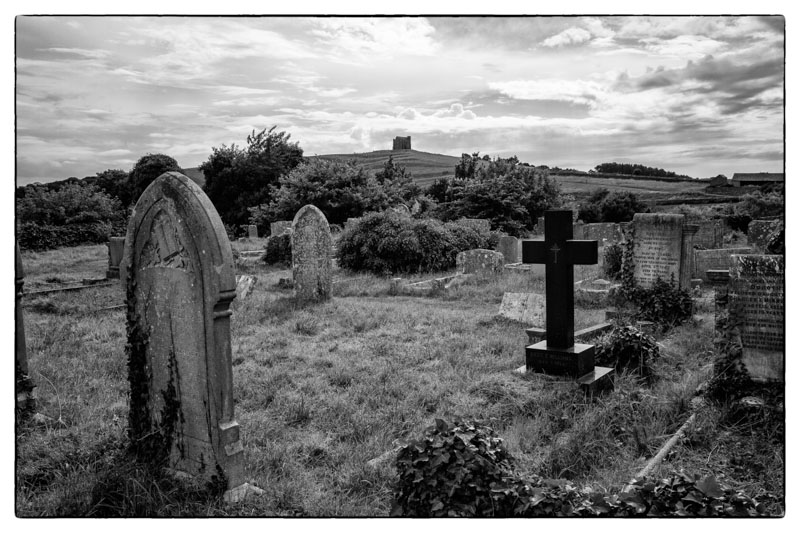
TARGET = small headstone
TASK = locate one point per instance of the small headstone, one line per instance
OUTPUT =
(524, 307)
(662, 248)
(252, 231)
(510, 248)
(480, 262)
(756, 306)
(350, 221)
(312, 270)
(116, 245)
(279, 227)
(23, 384)
(178, 270)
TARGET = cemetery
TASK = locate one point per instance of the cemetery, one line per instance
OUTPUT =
(182, 374)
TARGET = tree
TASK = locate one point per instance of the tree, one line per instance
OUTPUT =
(146, 170)
(237, 179)
(73, 203)
(115, 183)
(621, 206)
(589, 210)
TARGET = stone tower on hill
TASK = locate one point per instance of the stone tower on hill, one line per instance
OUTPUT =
(401, 143)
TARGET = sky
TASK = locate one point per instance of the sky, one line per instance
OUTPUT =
(698, 95)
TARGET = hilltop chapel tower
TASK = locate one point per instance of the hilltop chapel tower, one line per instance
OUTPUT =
(401, 143)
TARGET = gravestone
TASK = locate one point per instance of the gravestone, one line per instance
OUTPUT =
(602, 231)
(525, 307)
(662, 248)
(252, 231)
(715, 259)
(756, 313)
(178, 272)
(559, 354)
(481, 262)
(510, 248)
(23, 385)
(311, 254)
(758, 232)
(116, 246)
(279, 227)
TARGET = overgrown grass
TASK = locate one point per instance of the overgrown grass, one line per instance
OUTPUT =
(321, 389)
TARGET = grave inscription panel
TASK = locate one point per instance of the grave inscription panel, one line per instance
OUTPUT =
(756, 305)
(657, 248)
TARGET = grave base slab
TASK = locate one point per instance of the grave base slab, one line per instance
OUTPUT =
(237, 494)
(598, 380)
(575, 361)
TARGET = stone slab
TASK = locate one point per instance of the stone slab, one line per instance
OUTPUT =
(525, 307)
(481, 262)
(574, 361)
(539, 334)
(600, 379)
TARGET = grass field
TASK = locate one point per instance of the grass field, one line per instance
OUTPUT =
(322, 389)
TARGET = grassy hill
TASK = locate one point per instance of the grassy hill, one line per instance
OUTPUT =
(425, 167)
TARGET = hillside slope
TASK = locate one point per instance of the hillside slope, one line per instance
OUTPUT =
(425, 167)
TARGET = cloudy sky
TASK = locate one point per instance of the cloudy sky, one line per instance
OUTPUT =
(696, 95)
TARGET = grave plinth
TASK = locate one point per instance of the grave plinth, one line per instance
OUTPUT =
(574, 361)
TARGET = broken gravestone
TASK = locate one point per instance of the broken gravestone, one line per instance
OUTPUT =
(311, 254)
(116, 245)
(178, 272)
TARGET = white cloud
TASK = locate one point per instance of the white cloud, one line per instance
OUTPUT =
(570, 36)
(575, 91)
(408, 114)
(684, 46)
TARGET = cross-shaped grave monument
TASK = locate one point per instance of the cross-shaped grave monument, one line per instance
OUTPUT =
(559, 252)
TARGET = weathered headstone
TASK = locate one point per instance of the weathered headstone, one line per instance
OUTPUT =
(525, 307)
(559, 354)
(510, 248)
(116, 246)
(280, 227)
(662, 248)
(23, 385)
(311, 254)
(480, 262)
(756, 313)
(715, 259)
(178, 272)
(252, 231)
(758, 232)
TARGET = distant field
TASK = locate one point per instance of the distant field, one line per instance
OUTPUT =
(648, 190)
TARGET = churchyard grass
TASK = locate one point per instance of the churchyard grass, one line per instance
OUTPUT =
(321, 389)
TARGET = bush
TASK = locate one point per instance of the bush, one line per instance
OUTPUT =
(663, 303)
(146, 170)
(612, 258)
(464, 470)
(33, 236)
(388, 242)
(278, 249)
(626, 347)
(605, 206)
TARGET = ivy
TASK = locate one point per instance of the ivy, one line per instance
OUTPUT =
(464, 470)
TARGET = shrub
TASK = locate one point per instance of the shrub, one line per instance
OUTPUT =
(388, 242)
(627, 347)
(612, 258)
(463, 470)
(663, 303)
(278, 249)
(38, 237)
(146, 170)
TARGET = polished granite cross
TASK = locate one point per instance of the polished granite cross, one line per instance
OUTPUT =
(559, 354)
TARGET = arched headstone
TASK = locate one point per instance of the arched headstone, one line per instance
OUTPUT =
(178, 272)
(311, 254)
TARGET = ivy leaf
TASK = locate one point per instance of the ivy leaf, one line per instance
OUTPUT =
(709, 486)
(441, 426)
